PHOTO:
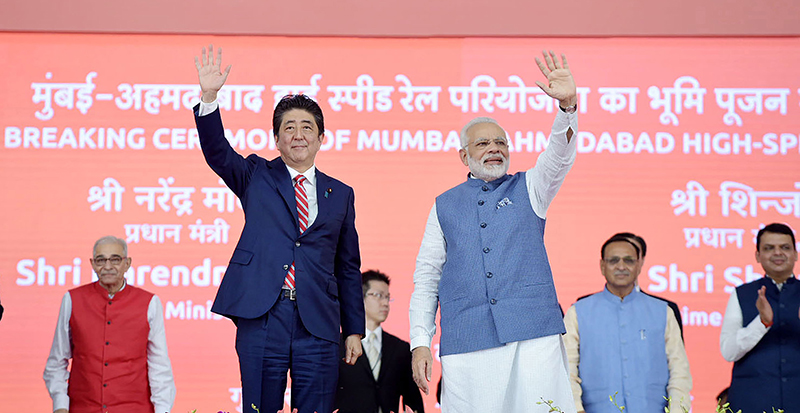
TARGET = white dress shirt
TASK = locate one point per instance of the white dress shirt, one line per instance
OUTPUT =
(543, 182)
(159, 368)
(736, 339)
(311, 174)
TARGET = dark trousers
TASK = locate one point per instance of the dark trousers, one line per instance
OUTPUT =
(270, 345)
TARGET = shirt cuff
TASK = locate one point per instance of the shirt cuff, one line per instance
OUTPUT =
(207, 108)
(162, 408)
(60, 401)
(420, 342)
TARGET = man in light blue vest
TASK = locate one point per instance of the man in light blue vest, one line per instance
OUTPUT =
(625, 344)
(761, 329)
(483, 260)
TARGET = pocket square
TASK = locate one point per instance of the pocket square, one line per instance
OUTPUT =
(503, 202)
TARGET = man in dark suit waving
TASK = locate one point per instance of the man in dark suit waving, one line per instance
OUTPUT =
(383, 374)
(294, 277)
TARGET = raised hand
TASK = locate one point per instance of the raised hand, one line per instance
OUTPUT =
(560, 84)
(764, 309)
(210, 74)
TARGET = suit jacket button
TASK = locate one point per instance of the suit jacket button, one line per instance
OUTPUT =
(297, 244)
(285, 267)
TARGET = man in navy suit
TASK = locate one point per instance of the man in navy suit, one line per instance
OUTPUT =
(294, 276)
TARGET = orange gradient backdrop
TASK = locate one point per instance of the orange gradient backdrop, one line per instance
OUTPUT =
(630, 174)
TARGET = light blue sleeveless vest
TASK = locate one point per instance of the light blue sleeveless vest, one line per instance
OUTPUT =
(622, 351)
(496, 285)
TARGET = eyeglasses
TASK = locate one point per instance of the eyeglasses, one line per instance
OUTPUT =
(484, 143)
(115, 260)
(628, 261)
(380, 296)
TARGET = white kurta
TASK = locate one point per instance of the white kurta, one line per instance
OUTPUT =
(512, 378)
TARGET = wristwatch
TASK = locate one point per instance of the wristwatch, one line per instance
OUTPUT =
(570, 110)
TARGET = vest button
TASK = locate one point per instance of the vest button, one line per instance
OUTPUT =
(783, 379)
(107, 342)
(104, 406)
(486, 250)
(110, 302)
(783, 305)
(483, 225)
(480, 202)
(105, 384)
(297, 244)
(106, 364)
(493, 301)
(489, 275)
(485, 188)
(109, 322)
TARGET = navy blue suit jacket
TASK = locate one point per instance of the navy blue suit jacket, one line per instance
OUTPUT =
(326, 255)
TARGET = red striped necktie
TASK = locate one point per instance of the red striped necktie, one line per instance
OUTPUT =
(302, 218)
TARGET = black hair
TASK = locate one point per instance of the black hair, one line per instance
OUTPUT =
(639, 240)
(301, 102)
(372, 275)
(617, 238)
(778, 229)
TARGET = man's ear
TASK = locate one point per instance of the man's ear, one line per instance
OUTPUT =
(463, 154)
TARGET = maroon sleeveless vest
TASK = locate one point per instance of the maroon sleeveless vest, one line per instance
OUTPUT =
(109, 351)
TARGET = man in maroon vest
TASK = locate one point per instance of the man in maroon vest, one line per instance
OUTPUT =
(114, 334)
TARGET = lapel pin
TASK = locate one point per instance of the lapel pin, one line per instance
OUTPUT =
(327, 192)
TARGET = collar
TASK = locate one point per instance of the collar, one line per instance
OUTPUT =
(476, 182)
(628, 298)
(789, 280)
(310, 174)
(103, 290)
(378, 335)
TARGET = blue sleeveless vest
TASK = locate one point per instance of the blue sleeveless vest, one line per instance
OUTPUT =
(496, 285)
(622, 352)
(769, 375)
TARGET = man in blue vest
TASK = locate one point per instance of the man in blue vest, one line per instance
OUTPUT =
(761, 329)
(624, 343)
(483, 260)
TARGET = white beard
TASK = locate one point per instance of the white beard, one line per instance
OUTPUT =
(486, 172)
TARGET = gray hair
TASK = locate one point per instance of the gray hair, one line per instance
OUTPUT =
(110, 239)
(473, 122)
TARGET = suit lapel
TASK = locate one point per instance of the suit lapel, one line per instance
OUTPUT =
(283, 182)
(363, 361)
(387, 352)
(323, 201)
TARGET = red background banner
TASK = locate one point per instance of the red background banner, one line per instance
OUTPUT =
(641, 162)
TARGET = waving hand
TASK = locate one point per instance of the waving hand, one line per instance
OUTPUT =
(210, 74)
